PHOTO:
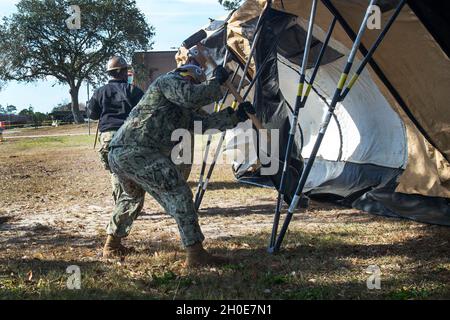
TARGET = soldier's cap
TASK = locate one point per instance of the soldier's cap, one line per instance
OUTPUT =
(193, 71)
(116, 63)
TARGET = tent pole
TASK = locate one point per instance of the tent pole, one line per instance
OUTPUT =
(208, 146)
(259, 24)
(245, 96)
(336, 99)
(381, 74)
(202, 192)
(258, 30)
(291, 140)
(374, 48)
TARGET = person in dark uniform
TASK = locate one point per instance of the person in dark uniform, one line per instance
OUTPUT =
(2, 127)
(111, 104)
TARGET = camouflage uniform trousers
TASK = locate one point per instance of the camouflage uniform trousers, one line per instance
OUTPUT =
(142, 170)
(105, 139)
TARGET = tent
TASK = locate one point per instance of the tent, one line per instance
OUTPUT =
(387, 148)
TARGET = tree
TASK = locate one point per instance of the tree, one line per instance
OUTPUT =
(39, 118)
(36, 118)
(36, 43)
(27, 112)
(230, 4)
(8, 110)
(11, 109)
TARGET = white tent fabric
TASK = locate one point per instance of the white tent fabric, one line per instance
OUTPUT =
(363, 137)
(366, 137)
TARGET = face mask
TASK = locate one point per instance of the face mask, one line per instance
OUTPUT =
(130, 79)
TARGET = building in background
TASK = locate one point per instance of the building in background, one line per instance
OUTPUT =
(148, 66)
(64, 113)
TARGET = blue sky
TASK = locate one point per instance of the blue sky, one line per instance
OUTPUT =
(174, 21)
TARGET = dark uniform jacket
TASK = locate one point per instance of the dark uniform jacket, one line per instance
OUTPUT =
(112, 103)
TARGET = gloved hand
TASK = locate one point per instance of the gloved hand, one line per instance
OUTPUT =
(244, 109)
(221, 75)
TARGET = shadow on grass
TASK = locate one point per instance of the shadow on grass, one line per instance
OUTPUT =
(225, 185)
(310, 267)
(326, 267)
(268, 209)
(49, 237)
(352, 216)
(50, 281)
(237, 211)
(334, 247)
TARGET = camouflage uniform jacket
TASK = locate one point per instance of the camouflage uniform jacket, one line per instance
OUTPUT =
(171, 103)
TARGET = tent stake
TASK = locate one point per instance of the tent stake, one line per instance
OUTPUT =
(336, 99)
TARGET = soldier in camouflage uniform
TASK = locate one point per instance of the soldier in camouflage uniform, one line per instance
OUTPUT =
(141, 150)
(111, 105)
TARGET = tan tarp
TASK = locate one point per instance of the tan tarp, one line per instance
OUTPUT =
(182, 56)
(420, 71)
(236, 41)
(416, 66)
(413, 62)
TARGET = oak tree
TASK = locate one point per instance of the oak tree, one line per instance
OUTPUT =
(41, 41)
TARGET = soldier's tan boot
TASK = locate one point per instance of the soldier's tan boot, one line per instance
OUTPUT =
(114, 248)
(197, 256)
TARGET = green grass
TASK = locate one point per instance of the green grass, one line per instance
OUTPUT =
(275, 279)
(30, 144)
(311, 293)
(414, 292)
(35, 144)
